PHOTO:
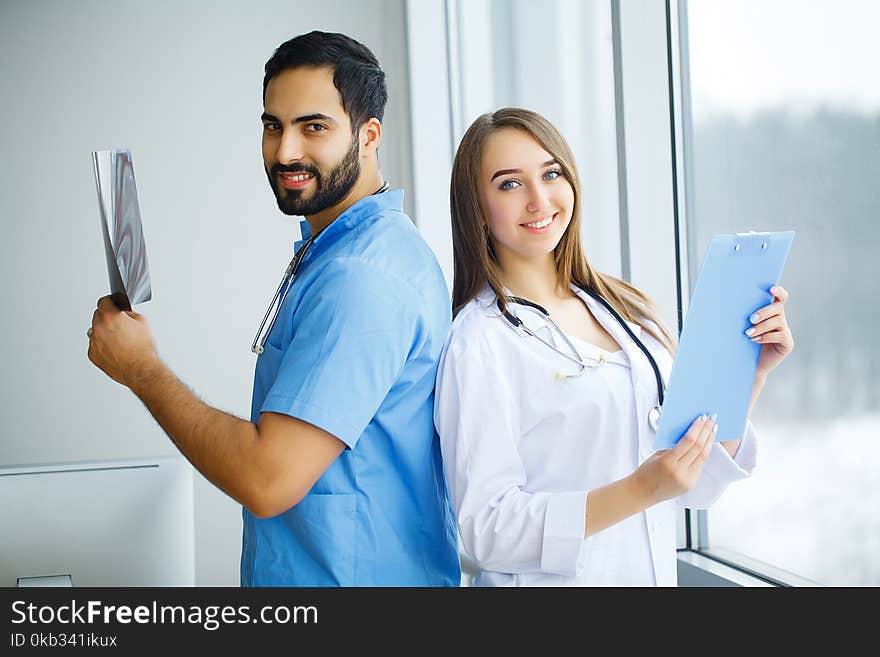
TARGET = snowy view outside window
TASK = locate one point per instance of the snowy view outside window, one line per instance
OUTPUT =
(783, 133)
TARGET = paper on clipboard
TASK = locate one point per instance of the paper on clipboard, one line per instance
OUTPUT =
(715, 365)
(121, 227)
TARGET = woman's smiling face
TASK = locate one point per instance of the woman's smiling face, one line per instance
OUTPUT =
(526, 197)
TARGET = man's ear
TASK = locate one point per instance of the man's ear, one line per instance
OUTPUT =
(370, 135)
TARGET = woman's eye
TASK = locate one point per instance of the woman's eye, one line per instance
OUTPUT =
(508, 184)
(552, 175)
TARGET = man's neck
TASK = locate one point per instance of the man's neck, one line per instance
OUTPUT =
(366, 185)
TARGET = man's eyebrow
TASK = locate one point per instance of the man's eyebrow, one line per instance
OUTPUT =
(502, 172)
(300, 119)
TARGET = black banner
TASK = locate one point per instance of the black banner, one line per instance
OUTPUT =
(131, 621)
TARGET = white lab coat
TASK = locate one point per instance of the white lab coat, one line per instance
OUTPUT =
(522, 449)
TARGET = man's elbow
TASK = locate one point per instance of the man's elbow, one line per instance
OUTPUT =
(268, 502)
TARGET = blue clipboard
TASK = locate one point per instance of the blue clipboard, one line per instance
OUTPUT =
(716, 362)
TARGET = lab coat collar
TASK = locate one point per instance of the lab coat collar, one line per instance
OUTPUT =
(486, 297)
(599, 311)
(610, 324)
(365, 207)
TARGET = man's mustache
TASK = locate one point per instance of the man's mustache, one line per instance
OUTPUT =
(278, 169)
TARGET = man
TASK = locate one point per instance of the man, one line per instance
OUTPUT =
(339, 468)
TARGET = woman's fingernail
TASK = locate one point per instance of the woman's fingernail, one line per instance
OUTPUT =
(715, 429)
(750, 331)
(714, 417)
(755, 318)
(757, 338)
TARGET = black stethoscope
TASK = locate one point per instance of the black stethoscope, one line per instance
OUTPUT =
(654, 413)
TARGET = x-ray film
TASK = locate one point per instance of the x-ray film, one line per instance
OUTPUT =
(121, 223)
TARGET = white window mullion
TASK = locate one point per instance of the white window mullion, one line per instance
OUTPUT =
(645, 128)
(650, 219)
(431, 125)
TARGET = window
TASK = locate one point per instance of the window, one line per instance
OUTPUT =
(554, 57)
(571, 61)
(773, 123)
(781, 117)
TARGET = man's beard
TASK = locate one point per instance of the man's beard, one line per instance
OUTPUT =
(330, 188)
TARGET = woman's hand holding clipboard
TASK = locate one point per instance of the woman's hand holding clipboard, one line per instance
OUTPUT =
(738, 277)
(772, 332)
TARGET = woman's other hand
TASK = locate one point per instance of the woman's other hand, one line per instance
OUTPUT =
(672, 472)
(770, 329)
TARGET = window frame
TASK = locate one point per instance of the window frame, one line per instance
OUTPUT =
(681, 156)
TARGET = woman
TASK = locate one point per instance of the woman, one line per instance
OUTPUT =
(547, 447)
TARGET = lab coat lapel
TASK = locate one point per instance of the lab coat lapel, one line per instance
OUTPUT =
(637, 360)
(606, 319)
(641, 373)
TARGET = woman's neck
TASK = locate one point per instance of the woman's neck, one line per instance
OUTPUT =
(535, 280)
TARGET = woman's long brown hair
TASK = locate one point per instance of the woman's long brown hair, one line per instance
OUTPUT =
(474, 260)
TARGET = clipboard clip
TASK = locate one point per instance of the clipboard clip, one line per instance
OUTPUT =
(738, 246)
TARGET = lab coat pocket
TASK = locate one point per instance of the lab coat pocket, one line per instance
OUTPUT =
(323, 529)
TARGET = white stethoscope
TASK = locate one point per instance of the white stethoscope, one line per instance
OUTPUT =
(654, 413)
(286, 282)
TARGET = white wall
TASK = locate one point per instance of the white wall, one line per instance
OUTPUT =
(179, 83)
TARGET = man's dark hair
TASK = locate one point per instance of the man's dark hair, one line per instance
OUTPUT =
(356, 72)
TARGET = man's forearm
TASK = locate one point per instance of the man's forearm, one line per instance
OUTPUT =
(219, 445)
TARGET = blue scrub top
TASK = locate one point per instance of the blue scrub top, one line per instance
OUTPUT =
(354, 351)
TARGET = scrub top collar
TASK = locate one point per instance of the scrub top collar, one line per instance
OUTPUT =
(365, 207)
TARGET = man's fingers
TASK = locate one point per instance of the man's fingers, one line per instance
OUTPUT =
(106, 305)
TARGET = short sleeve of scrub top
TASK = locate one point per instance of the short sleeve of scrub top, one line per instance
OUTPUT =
(352, 332)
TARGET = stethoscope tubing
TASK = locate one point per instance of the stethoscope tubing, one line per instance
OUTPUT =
(661, 387)
(289, 274)
(517, 323)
